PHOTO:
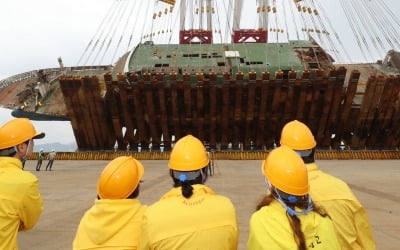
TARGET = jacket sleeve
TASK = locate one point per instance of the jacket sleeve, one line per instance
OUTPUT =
(364, 231)
(31, 207)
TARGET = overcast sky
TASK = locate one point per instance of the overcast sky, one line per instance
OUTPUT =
(34, 33)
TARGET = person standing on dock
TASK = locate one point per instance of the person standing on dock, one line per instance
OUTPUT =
(52, 157)
(40, 159)
(190, 215)
(115, 219)
(334, 195)
(20, 201)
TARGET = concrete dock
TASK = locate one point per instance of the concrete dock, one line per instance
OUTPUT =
(70, 189)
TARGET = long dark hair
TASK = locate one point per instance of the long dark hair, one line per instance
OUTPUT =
(294, 221)
(187, 189)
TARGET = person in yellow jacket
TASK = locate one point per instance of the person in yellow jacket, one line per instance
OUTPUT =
(286, 218)
(191, 215)
(20, 201)
(334, 195)
(115, 219)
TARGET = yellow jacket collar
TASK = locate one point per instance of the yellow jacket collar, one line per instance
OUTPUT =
(312, 167)
(11, 161)
(198, 189)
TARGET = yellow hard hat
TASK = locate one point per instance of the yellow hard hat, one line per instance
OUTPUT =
(297, 136)
(285, 170)
(17, 131)
(119, 178)
(188, 154)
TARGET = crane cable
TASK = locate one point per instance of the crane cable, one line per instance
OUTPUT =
(292, 7)
(366, 25)
(352, 26)
(306, 24)
(109, 29)
(391, 33)
(95, 34)
(98, 42)
(320, 8)
(380, 25)
(115, 28)
(99, 31)
(123, 30)
(323, 35)
(287, 30)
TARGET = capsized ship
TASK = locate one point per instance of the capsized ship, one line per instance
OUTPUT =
(233, 91)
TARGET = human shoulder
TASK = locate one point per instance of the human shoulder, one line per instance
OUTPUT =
(27, 177)
(272, 212)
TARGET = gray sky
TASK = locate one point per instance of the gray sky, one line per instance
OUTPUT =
(56, 131)
(35, 33)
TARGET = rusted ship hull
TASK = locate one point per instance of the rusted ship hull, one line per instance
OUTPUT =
(233, 91)
(238, 113)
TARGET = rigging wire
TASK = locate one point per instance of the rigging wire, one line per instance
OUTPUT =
(218, 23)
(306, 28)
(352, 26)
(297, 30)
(116, 25)
(144, 26)
(323, 36)
(103, 27)
(362, 19)
(96, 33)
(380, 26)
(390, 32)
(134, 26)
(287, 30)
(389, 12)
(123, 30)
(117, 13)
(266, 44)
(277, 41)
(331, 27)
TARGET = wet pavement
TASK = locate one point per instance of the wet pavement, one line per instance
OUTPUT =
(70, 189)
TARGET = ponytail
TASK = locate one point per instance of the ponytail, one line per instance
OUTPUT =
(187, 190)
(298, 235)
(185, 180)
(294, 221)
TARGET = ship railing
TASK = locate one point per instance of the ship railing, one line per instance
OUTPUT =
(54, 72)
(17, 78)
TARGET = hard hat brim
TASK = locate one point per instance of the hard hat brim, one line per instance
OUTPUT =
(39, 135)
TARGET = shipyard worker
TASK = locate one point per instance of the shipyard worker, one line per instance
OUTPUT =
(334, 195)
(286, 218)
(40, 159)
(20, 201)
(51, 156)
(114, 221)
(190, 215)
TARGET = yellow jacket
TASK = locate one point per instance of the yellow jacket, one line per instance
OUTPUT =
(349, 217)
(204, 221)
(20, 202)
(110, 224)
(270, 229)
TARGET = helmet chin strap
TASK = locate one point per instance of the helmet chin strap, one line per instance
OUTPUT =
(27, 149)
(289, 210)
(203, 176)
(293, 212)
